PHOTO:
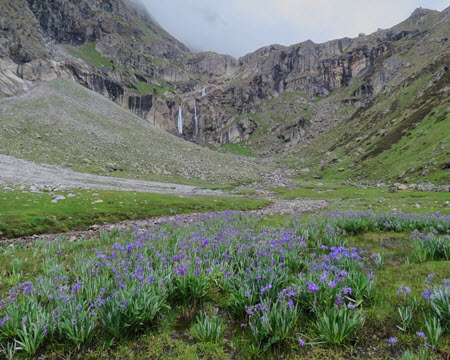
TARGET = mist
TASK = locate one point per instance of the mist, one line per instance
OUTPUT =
(237, 27)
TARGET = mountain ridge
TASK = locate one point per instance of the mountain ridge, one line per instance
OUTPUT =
(275, 100)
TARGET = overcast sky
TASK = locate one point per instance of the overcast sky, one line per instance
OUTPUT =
(238, 27)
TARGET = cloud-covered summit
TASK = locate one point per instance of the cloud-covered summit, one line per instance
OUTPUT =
(238, 27)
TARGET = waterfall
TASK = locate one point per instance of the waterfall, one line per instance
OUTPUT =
(204, 91)
(180, 120)
(195, 118)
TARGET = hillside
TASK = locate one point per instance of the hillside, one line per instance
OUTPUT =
(400, 135)
(62, 123)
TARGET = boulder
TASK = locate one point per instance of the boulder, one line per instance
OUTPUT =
(392, 189)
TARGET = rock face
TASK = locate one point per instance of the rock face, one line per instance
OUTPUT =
(117, 49)
(212, 64)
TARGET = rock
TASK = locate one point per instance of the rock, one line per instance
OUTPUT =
(71, 195)
(58, 198)
(401, 186)
(445, 165)
(99, 201)
(73, 239)
(341, 169)
(392, 189)
(94, 227)
(291, 133)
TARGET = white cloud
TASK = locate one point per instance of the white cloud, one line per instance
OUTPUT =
(237, 27)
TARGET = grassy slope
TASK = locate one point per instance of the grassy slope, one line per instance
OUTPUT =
(62, 123)
(417, 138)
(401, 132)
(27, 213)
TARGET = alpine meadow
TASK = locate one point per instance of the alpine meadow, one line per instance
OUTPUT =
(162, 201)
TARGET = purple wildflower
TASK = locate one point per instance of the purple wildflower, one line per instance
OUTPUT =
(392, 340)
(421, 334)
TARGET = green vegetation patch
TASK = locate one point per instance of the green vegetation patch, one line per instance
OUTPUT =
(237, 149)
(89, 53)
(148, 88)
(348, 197)
(25, 213)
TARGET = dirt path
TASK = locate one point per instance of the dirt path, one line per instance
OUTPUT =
(22, 172)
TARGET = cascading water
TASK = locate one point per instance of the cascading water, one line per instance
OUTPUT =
(204, 91)
(180, 120)
(195, 118)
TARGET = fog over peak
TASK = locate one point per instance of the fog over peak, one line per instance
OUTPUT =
(237, 27)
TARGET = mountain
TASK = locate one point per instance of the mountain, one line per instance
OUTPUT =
(345, 108)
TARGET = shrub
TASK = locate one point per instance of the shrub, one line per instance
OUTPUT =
(361, 285)
(422, 354)
(190, 287)
(78, 324)
(335, 326)
(431, 247)
(439, 297)
(433, 331)
(272, 322)
(130, 309)
(208, 328)
(406, 310)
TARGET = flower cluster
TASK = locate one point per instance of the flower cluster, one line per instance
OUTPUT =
(124, 285)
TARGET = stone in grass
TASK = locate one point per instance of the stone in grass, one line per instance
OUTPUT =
(58, 198)
(392, 189)
(71, 195)
(402, 187)
(97, 202)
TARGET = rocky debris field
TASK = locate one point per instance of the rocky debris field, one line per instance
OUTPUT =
(47, 177)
